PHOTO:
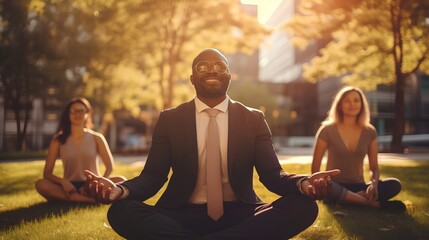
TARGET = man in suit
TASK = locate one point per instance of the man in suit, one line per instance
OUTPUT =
(184, 210)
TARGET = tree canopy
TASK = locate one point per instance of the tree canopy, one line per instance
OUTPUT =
(158, 39)
(369, 43)
(119, 54)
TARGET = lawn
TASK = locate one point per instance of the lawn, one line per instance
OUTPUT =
(26, 215)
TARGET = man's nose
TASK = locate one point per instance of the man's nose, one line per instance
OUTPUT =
(212, 69)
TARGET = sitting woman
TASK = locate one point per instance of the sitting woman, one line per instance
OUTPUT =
(78, 147)
(348, 137)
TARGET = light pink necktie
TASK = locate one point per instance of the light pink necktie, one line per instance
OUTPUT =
(213, 168)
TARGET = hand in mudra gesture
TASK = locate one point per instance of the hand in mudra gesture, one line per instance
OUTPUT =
(319, 184)
(100, 188)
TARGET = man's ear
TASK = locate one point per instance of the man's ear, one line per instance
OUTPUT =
(191, 78)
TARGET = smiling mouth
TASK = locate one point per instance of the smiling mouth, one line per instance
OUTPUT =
(212, 81)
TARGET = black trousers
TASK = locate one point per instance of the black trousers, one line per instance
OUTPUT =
(387, 188)
(282, 219)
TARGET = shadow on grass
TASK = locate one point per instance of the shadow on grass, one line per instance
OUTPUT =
(367, 223)
(12, 218)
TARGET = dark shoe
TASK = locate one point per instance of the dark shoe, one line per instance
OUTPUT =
(393, 206)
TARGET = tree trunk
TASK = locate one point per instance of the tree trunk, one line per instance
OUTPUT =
(397, 52)
(398, 131)
(19, 137)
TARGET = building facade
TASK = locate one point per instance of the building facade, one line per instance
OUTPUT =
(281, 63)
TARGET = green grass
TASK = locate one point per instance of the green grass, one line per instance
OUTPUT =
(26, 215)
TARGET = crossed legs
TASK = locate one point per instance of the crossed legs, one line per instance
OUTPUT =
(282, 219)
(53, 191)
(355, 193)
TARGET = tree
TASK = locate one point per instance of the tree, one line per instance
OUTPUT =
(370, 43)
(120, 54)
(15, 68)
(44, 44)
(112, 78)
(161, 37)
(182, 28)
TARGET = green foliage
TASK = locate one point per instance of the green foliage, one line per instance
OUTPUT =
(369, 43)
(360, 37)
(118, 54)
(159, 40)
(18, 48)
(43, 45)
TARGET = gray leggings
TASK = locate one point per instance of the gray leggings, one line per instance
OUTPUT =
(387, 189)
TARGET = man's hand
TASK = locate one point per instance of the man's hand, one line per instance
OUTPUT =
(319, 184)
(100, 188)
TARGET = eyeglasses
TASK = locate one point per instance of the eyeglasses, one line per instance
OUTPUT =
(204, 67)
(78, 111)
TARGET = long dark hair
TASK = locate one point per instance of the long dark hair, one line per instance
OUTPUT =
(64, 126)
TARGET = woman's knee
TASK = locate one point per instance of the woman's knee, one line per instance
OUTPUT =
(41, 186)
(396, 185)
(390, 187)
(37, 184)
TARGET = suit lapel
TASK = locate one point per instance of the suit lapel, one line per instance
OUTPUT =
(233, 130)
(189, 124)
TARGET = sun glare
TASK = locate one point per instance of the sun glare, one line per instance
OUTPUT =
(265, 8)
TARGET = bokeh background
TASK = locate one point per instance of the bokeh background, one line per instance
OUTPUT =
(288, 58)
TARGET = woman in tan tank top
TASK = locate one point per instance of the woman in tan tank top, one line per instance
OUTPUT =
(79, 148)
(348, 137)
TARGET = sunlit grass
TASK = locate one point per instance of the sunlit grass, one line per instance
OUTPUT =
(26, 215)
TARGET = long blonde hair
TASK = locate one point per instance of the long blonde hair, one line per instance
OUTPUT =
(335, 114)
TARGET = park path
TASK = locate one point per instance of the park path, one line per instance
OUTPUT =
(302, 155)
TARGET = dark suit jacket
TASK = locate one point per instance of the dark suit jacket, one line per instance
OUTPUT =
(174, 146)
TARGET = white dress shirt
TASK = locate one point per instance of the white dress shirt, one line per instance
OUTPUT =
(199, 195)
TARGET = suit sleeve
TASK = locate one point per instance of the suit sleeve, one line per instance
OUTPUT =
(267, 164)
(156, 169)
